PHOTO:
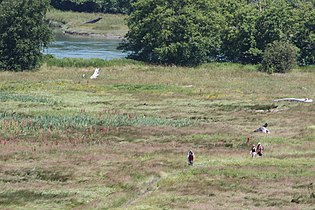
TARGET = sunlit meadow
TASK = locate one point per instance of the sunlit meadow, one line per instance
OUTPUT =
(120, 141)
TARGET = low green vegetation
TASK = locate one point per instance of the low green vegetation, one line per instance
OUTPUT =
(82, 62)
(120, 141)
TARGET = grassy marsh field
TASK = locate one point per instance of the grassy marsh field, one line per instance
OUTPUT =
(120, 141)
(110, 26)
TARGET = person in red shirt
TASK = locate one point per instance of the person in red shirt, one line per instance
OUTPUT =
(260, 149)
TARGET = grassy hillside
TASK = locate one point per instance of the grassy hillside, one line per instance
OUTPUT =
(110, 26)
(120, 141)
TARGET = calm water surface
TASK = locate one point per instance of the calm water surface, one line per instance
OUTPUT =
(83, 47)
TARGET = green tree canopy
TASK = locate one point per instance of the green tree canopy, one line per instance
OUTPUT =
(180, 32)
(106, 6)
(190, 32)
(238, 37)
(305, 34)
(253, 25)
(23, 33)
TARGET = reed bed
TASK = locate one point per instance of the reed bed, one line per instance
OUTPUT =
(31, 122)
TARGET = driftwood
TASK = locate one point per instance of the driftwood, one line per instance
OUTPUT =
(93, 21)
(305, 100)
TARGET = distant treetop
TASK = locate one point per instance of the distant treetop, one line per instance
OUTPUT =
(192, 32)
(103, 6)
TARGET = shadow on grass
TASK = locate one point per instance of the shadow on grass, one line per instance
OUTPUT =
(25, 196)
(39, 174)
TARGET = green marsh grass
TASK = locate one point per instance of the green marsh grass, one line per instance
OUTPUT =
(7, 96)
(120, 141)
(82, 62)
(82, 121)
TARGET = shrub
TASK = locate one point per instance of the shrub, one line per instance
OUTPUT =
(279, 57)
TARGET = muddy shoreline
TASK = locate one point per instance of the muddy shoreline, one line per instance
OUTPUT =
(60, 27)
(91, 34)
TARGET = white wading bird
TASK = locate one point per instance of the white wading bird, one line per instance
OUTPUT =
(96, 73)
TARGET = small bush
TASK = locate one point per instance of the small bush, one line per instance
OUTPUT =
(279, 57)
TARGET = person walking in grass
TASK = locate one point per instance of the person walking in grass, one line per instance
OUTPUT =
(253, 151)
(190, 157)
(260, 149)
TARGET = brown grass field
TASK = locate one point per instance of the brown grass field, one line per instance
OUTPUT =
(120, 141)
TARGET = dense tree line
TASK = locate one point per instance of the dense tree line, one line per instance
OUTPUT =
(191, 32)
(104, 6)
(23, 33)
(180, 32)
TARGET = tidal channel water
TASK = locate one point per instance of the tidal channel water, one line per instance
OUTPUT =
(84, 47)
